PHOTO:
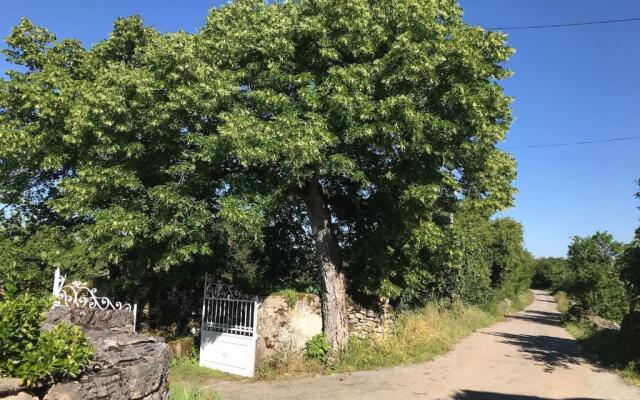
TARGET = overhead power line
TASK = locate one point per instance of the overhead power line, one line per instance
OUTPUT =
(610, 21)
(539, 146)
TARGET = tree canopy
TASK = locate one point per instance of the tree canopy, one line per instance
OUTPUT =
(597, 286)
(352, 130)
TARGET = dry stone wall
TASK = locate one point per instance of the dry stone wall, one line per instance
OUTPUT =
(285, 328)
(127, 365)
(367, 322)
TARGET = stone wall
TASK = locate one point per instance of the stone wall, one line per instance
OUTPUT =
(127, 365)
(285, 328)
(369, 322)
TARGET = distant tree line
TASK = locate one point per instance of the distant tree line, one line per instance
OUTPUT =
(600, 273)
(602, 276)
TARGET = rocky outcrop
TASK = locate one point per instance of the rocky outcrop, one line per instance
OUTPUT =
(91, 319)
(11, 389)
(127, 365)
(9, 386)
(20, 396)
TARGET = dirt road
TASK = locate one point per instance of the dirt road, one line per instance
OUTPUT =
(529, 356)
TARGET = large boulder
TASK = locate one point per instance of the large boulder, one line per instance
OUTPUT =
(9, 386)
(11, 389)
(91, 319)
(127, 366)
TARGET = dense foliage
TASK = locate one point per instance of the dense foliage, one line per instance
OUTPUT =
(602, 275)
(34, 355)
(631, 266)
(597, 285)
(309, 145)
(629, 341)
(481, 261)
(629, 338)
(552, 273)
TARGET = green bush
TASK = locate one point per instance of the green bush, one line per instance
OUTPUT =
(33, 355)
(598, 287)
(317, 348)
(552, 273)
(630, 268)
(629, 338)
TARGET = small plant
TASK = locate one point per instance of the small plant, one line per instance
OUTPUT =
(33, 355)
(317, 347)
(185, 392)
(290, 297)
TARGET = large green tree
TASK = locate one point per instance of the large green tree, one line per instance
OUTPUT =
(364, 123)
(595, 262)
(378, 116)
(631, 265)
(552, 273)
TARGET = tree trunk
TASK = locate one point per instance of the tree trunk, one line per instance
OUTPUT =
(334, 308)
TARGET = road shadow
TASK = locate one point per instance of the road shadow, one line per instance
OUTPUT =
(553, 352)
(475, 395)
(540, 317)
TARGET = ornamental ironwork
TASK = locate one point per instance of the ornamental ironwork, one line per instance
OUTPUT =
(78, 295)
(227, 310)
(223, 291)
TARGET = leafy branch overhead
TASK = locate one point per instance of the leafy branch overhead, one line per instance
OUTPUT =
(352, 130)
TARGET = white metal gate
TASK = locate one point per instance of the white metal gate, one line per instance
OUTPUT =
(229, 329)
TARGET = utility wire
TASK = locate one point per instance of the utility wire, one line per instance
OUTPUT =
(539, 146)
(610, 21)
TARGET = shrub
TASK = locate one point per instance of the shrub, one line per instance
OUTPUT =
(629, 338)
(598, 286)
(290, 296)
(19, 329)
(630, 268)
(552, 273)
(33, 355)
(317, 347)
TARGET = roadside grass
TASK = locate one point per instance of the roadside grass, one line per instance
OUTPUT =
(417, 336)
(600, 343)
(563, 301)
(190, 392)
(187, 380)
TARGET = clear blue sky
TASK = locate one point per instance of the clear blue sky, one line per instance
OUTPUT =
(570, 84)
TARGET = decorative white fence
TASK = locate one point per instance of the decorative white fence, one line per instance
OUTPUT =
(229, 329)
(78, 295)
